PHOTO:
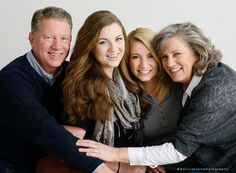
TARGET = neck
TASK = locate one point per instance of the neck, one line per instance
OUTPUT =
(109, 73)
(151, 85)
(157, 89)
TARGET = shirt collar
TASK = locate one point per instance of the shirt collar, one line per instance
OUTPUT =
(193, 83)
(49, 78)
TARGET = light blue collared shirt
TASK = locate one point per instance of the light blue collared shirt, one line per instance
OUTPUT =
(49, 78)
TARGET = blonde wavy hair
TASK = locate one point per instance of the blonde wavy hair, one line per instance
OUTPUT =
(145, 36)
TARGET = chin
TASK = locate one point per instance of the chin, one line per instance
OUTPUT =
(174, 79)
(144, 79)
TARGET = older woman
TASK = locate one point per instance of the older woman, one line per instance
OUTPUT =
(207, 127)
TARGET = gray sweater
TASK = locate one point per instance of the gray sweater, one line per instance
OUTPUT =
(208, 128)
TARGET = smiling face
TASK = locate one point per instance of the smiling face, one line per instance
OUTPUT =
(142, 63)
(51, 43)
(110, 48)
(178, 61)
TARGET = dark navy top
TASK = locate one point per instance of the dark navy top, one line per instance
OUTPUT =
(29, 107)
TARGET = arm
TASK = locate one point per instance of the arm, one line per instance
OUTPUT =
(102, 151)
(125, 167)
(155, 155)
(75, 131)
(31, 123)
(103, 168)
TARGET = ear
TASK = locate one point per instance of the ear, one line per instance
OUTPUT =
(31, 38)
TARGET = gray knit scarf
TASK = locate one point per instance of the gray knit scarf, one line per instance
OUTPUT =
(126, 110)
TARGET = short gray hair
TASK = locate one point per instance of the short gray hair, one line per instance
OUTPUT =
(194, 38)
(49, 12)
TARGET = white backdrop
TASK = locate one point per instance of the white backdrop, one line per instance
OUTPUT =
(217, 18)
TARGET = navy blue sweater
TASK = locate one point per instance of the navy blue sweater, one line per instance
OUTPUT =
(29, 108)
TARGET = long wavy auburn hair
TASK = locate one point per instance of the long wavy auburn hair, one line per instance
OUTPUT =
(85, 86)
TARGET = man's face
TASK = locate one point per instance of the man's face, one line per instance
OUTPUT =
(51, 43)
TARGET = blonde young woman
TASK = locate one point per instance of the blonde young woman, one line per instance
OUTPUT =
(162, 95)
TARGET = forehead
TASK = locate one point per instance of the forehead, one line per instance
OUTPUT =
(138, 46)
(54, 26)
(111, 30)
(175, 43)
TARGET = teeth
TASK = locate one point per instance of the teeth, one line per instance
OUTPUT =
(112, 56)
(144, 71)
(174, 70)
(55, 54)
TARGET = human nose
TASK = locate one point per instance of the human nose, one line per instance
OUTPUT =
(143, 62)
(56, 44)
(169, 62)
(112, 47)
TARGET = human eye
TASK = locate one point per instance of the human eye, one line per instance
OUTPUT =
(150, 56)
(119, 38)
(102, 41)
(163, 57)
(48, 37)
(65, 38)
(134, 57)
(176, 54)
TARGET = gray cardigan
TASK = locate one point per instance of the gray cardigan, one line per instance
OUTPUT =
(208, 127)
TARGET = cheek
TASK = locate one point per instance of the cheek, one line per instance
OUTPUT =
(163, 64)
(121, 46)
(154, 66)
(67, 47)
(133, 66)
(190, 66)
(97, 52)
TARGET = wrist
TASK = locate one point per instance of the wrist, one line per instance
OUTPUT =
(118, 167)
(122, 155)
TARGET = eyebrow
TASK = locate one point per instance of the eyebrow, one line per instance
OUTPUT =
(102, 38)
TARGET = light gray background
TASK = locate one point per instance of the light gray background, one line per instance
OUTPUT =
(217, 18)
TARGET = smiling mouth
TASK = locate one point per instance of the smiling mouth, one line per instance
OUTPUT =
(144, 71)
(113, 56)
(55, 54)
(175, 70)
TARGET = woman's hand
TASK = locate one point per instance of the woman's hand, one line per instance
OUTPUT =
(104, 152)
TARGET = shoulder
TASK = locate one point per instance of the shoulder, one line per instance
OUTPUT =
(20, 64)
(214, 99)
(220, 74)
(217, 80)
(16, 72)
